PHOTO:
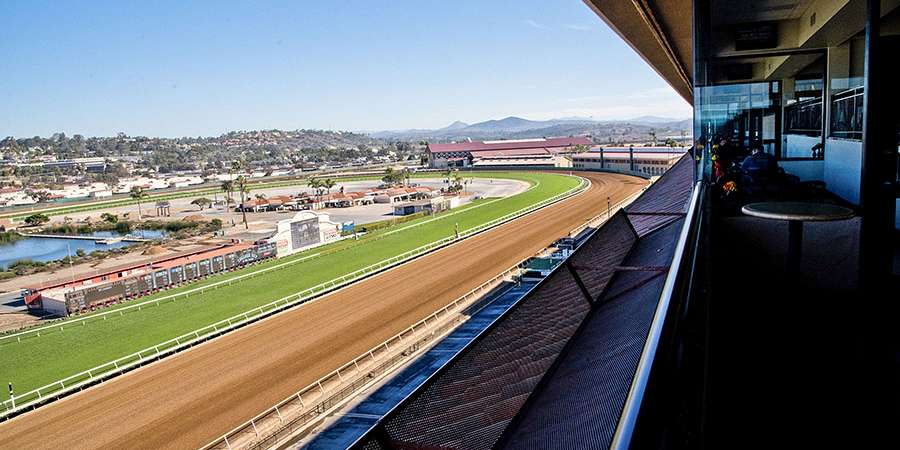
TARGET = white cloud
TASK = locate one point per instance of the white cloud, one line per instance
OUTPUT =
(577, 27)
(534, 24)
(659, 101)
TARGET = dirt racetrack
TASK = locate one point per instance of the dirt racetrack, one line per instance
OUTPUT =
(189, 399)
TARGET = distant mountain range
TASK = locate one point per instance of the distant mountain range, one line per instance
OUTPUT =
(519, 128)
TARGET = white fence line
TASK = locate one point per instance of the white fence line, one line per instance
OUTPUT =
(36, 331)
(354, 363)
(80, 380)
(312, 412)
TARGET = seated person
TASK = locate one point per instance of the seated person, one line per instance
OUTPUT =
(759, 162)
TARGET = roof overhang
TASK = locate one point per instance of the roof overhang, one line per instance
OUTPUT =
(661, 31)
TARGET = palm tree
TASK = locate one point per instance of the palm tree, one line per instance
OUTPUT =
(328, 184)
(244, 190)
(316, 186)
(137, 193)
(228, 189)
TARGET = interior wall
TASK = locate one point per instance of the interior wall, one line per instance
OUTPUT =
(799, 145)
(805, 170)
(843, 167)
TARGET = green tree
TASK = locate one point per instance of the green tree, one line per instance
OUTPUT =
(392, 176)
(201, 202)
(138, 194)
(109, 217)
(456, 182)
(36, 219)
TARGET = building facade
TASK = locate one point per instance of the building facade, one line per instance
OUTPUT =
(543, 151)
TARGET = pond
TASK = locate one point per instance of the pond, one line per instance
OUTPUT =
(51, 249)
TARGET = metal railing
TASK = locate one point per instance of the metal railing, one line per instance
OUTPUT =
(139, 305)
(630, 411)
(56, 389)
(252, 434)
(331, 389)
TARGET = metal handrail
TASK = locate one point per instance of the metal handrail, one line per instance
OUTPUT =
(367, 354)
(630, 411)
(224, 439)
(157, 352)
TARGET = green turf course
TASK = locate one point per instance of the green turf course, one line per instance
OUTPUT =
(37, 361)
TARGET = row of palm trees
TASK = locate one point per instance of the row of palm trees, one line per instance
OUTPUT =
(321, 186)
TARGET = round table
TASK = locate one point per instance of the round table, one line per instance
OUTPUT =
(796, 213)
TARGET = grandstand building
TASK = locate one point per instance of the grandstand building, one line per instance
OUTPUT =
(622, 159)
(548, 152)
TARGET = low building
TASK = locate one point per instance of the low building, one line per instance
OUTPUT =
(647, 163)
(431, 206)
(510, 152)
(404, 194)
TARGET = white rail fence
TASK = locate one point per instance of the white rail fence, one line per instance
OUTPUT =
(140, 304)
(301, 410)
(73, 383)
(309, 403)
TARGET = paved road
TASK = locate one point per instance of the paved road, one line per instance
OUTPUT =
(191, 398)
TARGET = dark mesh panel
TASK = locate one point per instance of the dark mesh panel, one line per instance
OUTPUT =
(470, 404)
(670, 194)
(373, 445)
(580, 404)
(596, 262)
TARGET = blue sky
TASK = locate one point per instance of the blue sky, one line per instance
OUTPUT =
(173, 68)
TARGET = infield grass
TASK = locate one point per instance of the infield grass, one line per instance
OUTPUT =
(37, 361)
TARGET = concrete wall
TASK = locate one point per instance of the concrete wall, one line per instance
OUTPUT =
(842, 169)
